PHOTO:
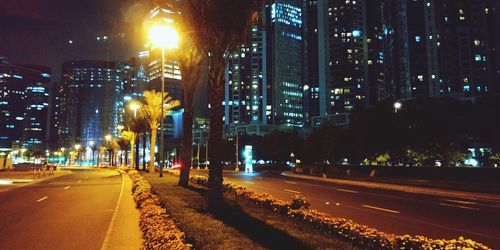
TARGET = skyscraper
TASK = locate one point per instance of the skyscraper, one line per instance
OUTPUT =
(90, 101)
(264, 86)
(24, 106)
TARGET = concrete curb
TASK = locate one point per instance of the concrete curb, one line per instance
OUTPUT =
(402, 188)
(123, 231)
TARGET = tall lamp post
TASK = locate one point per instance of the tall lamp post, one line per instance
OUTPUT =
(165, 37)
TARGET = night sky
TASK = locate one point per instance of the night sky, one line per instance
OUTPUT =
(39, 31)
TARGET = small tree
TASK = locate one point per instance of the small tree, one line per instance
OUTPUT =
(152, 111)
(130, 136)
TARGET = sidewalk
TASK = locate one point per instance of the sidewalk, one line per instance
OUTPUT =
(123, 231)
(402, 188)
(14, 179)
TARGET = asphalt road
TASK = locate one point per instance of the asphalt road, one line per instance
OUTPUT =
(390, 211)
(68, 212)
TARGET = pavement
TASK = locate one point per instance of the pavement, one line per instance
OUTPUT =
(86, 209)
(398, 209)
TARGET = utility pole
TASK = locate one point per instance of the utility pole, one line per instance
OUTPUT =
(206, 154)
(237, 153)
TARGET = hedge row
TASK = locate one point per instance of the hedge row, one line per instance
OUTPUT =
(359, 235)
(158, 229)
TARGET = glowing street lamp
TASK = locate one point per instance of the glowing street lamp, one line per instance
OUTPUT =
(165, 37)
(397, 106)
(134, 106)
(120, 128)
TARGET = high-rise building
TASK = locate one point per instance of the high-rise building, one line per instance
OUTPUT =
(439, 48)
(264, 86)
(90, 101)
(311, 61)
(24, 106)
(351, 55)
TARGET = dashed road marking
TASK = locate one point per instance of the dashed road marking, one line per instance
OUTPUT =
(42, 199)
(463, 207)
(292, 191)
(382, 209)
(291, 182)
(79, 181)
(462, 202)
(67, 187)
(249, 182)
(347, 190)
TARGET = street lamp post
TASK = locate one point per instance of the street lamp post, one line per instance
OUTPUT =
(237, 153)
(134, 106)
(397, 106)
(164, 37)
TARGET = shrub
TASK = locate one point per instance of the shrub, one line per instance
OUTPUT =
(158, 229)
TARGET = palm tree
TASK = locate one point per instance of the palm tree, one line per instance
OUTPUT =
(129, 135)
(190, 60)
(152, 111)
(219, 27)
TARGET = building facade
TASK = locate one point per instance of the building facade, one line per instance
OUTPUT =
(90, 101)
(24, 106)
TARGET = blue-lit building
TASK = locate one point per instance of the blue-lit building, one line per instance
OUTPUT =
(24, 106)
(264, 79)
(90, 101)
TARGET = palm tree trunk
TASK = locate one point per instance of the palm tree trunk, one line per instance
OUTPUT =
(132, 152)
(216, 81)
(144, 145)
(187, 145)
(152, 150)
(136, 155)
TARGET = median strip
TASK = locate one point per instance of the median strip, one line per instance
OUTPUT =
(381, 209)
(42, 199)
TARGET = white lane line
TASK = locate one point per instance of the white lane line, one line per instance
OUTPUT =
(347, 190)
(42, 199)
(463, 207)
(462, 202)
(67, 187)
(105, 243)
(259, 178)
(291, 182)
(292, 191)
(79, 181)
(382, 209)
(249, 182)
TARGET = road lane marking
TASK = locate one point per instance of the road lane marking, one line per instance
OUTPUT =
(463, 207)
(462, 202)
(42, 199)
(105, 243)
(67, 187)
(259, 178)
(347, 190)
(382, 209)
(292, 191)
(291, 182)
(79, 181)
(249, 182)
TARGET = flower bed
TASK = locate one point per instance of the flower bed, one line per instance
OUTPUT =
(158, 230)
(360, 235)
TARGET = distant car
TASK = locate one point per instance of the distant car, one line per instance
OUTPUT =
(176, 166)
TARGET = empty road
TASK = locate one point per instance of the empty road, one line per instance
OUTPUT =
(68, 212)
(390, 211)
